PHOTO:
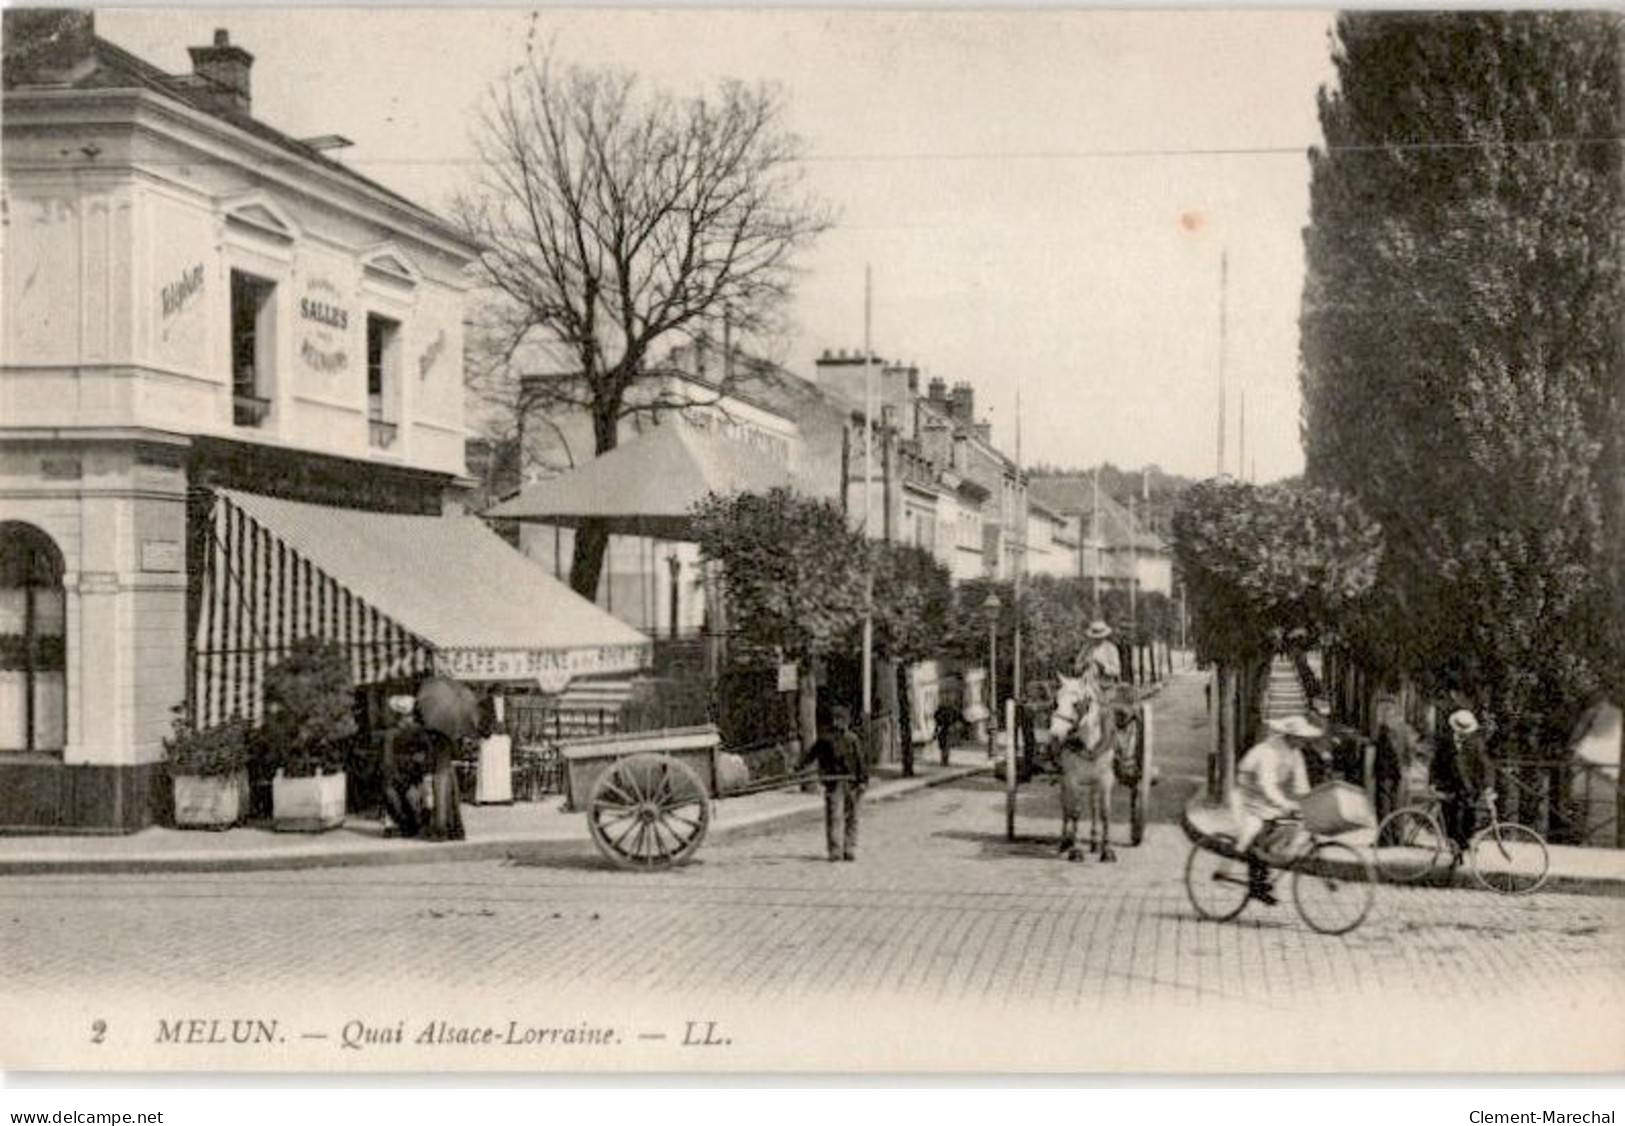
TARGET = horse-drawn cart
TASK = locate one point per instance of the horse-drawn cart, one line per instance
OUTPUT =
(1102, 738)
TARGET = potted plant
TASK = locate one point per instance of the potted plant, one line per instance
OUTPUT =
(309, 721)
(209, 772)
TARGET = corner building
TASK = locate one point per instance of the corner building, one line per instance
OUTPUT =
(195, 305)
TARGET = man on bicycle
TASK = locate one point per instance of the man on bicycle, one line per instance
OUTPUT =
(1457, 773)
(1270, 779)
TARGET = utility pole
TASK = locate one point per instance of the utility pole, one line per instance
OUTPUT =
(1241, 459)
(1224, 285)
(1094, 533)
(1021, 543)
(868, 511)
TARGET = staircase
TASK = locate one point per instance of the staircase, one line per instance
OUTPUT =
(1283, 695)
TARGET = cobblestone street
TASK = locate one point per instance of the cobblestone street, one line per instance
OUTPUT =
(940, 909)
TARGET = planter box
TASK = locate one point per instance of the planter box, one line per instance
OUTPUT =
(308, 805)
(210, 801)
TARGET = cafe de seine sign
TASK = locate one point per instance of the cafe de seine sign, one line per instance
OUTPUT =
(551, 669)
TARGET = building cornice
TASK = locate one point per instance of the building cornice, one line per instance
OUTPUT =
(220, 139)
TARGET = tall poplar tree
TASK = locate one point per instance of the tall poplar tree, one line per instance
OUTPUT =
(1462, 346)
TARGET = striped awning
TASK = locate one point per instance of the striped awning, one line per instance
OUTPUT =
(404, 595)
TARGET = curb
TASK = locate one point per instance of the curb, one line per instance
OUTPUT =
(1605, 886)
(512, 847)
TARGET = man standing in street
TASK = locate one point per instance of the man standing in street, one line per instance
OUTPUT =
(845, 773)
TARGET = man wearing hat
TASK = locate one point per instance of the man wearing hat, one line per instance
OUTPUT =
(1100, 651)
(1270, 778)
(845, 773)
(1457, 772)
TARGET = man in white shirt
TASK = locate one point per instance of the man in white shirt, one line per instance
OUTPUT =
(1101, 652)
(1270, 779)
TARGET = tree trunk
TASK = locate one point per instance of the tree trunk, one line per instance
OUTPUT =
(886, 672)
(807, 699)
(587, 560)
(592, 537)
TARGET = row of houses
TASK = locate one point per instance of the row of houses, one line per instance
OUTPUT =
(923, 471)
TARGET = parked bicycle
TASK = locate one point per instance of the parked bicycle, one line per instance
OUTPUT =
(1333, 883)
(1504, 856)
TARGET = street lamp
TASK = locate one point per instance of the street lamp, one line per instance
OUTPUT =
(992, 607)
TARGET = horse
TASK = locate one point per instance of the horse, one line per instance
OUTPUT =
(1084, 727)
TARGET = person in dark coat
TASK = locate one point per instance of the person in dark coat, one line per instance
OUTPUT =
(844, 770)
(945, 718)
(405, 761)
(1457, 772)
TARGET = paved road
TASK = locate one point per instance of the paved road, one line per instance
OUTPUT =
(939, 909)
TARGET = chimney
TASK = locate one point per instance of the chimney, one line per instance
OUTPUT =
(963, 406)
(47, 45)
(938, 392)
(984, 431)
(226, 68)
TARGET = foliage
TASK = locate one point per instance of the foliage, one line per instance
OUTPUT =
(1462, 366)
(614, 219)
(913, 594)
(212, 752)
(793, 570)
(309, 707)
(1262, 562)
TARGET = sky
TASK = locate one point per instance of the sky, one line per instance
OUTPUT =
(1043, 197)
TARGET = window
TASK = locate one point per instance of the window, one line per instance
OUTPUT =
(252, 323)
(33, 650)
(383, 379)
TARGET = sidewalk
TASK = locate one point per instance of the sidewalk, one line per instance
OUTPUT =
(1574, 870)
(534, 830)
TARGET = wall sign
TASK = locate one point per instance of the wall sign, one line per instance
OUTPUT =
(161, 555)
(431, 354)
(325, 322)
(179, 293)
(546, 666)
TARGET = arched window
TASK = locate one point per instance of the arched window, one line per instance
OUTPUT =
(33, 635)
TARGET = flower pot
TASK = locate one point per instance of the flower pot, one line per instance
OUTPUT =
(213, 801)
(307, 805)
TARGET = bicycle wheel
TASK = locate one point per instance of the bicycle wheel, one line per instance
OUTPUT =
(1409, 844)
(1510, 859)
(1216, 883)
(1334, 887)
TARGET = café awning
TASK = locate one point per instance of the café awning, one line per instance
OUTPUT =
(404, 594)
(649, 485)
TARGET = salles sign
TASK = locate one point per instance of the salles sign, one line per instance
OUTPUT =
(326, 322)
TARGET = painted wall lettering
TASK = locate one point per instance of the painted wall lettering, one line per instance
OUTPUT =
(324, 349)
(431, 354)
(178, 294)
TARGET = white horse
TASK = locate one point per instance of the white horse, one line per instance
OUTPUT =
(1085, 729)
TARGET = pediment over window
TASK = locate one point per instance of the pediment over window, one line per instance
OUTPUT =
(390, 264)
(259, 215)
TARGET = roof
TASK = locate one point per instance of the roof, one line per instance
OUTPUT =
(649, 485)
(116, 68)
(1076, 494)
(448, 579)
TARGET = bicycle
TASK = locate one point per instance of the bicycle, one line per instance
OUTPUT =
(1505, 857)
(1327, 896)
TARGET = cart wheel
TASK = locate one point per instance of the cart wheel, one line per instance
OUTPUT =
(648, 811)
(1140, 800)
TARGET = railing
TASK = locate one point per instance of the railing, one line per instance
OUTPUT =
(381, 434)
(249, 410)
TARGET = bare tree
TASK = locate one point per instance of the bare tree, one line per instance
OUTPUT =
(617, 220)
